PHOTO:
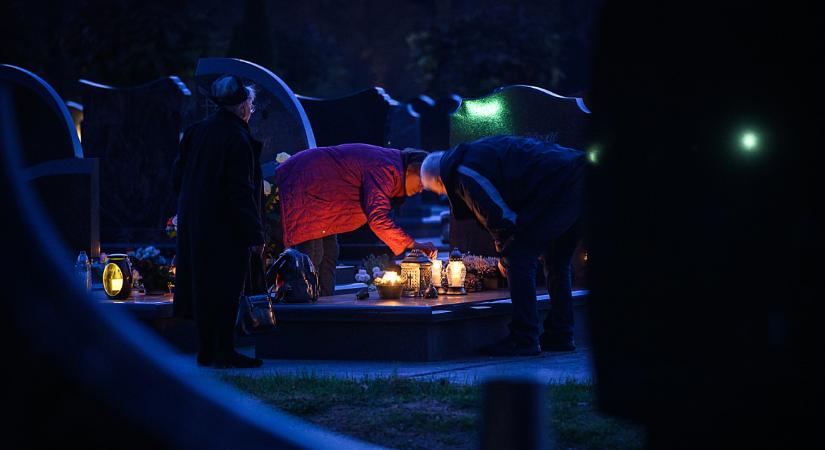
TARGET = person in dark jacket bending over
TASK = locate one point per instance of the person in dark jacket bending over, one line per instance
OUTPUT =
(218, 179)
(529, 195)
(329, 190)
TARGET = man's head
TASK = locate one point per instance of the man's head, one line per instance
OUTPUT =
(412, 159)
(431, 173)
(229, 93)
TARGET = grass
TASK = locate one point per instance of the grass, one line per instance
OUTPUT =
(403, 413)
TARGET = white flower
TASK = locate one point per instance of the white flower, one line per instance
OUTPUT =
(281, 157)
(267, 187)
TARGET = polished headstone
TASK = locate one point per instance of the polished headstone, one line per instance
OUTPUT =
(135, 132)
(435, 117)
(360, 117)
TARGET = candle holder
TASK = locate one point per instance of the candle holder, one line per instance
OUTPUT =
(438, 280)
(389, 286)
(416, 272)
(456, 272)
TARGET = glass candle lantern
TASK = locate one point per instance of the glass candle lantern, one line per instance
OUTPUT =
(456, 272)
(437, 275)
(117, 277)
(416, 272)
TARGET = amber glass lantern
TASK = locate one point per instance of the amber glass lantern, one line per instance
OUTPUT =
(117, 277)
(416, 272)
(456, 272)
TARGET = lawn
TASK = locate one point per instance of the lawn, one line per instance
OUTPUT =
(403, 413)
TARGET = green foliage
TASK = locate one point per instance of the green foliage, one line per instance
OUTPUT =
(472, 54)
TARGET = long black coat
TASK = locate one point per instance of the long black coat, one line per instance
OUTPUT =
(218, 179)
(515, 186)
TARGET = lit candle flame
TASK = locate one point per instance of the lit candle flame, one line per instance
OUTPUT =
(390, 277)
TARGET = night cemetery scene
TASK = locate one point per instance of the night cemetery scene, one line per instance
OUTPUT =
(415, 224)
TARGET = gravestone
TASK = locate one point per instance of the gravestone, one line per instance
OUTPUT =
(435, 120)
(514, 110)
(279, 122)
(404, 127)
(360, 117)
(135, 132)
(65, 182)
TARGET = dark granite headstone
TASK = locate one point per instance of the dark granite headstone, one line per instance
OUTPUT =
(514, 110)
(435, 120)
(135, 132)
(66, 183)
(279, 122)
(404, 127)
(359, 117)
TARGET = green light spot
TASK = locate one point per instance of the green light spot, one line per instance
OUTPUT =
(749, 141)
(593, 154)
(481, 108)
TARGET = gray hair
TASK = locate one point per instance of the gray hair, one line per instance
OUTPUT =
(226, 86)
(431, 173)
(431, 166)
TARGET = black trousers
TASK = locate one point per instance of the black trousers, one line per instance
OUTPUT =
(323, 253)
(216, 290)
(521, 261)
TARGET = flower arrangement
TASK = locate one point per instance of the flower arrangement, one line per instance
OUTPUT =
(376, 265)
(482, 273)
(154, 271)
(481, 266)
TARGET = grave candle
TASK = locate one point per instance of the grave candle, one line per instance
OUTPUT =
(456, 273)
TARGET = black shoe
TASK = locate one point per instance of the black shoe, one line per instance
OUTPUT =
(205, 360)
(238, 361)
(510, 347)
(557, 344)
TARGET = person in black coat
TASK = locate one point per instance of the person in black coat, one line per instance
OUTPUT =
(218, 179)
(529, 195)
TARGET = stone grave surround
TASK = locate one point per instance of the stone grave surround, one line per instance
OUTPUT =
(515, 110)
(65, 181)
(135, 132)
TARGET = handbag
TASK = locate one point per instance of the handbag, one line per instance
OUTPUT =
(255, 313)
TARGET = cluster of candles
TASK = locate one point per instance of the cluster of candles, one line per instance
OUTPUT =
(418, 273)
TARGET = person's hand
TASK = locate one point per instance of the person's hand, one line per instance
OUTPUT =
(502, 269)
(428, 248)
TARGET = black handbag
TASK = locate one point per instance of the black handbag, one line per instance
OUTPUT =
(255, 313)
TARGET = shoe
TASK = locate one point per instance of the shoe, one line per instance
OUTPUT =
(238, 361)
(510, 347)
(557, 344)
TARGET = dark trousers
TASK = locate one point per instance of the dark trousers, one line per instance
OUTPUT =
(324, 256)
(216, 304)
(521, 261)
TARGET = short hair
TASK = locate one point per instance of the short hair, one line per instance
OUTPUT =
(412, 157)
(227, 86)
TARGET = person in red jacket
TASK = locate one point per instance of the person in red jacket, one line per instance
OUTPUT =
(325, 191)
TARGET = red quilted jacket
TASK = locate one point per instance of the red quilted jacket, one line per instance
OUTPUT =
(331, 190)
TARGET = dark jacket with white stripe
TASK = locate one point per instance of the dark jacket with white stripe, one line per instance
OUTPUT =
(508, 183)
